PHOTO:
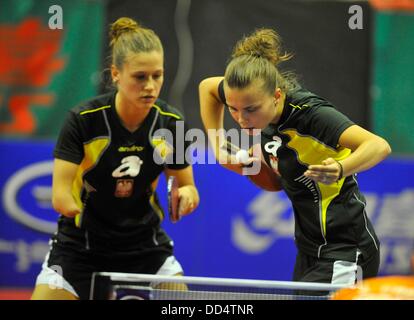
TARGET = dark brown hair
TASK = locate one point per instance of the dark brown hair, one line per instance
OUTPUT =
(257, 57)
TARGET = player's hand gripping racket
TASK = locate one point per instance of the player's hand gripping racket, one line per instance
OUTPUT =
(173, 199)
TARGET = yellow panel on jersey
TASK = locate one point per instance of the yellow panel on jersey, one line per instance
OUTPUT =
(92, 150)
(156, 207)
(310, 151)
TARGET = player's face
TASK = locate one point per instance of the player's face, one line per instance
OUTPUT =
(141, 78)
(251, 107)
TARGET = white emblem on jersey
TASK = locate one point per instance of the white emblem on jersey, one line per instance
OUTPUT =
(131, 166)
(272, 146)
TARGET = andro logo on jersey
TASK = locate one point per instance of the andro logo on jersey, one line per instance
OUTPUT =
(131, 149)
(271, 148)
(131, 166)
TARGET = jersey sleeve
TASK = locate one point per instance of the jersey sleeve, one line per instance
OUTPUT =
(221, 92)
(327, 124)
(69, 145)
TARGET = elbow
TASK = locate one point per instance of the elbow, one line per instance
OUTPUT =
(385, 148)
(65, 205)
(57, 204)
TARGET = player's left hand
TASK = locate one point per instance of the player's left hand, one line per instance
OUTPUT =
(189, 200)
(327, 173)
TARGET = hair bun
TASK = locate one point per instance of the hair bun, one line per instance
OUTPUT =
(120, 26)
(263, 43)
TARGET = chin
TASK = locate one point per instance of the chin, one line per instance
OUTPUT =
(252, 131)
(144, 105)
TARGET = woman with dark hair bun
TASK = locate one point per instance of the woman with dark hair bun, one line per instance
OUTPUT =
(308, 149)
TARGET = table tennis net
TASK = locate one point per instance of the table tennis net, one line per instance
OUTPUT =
(123, 286)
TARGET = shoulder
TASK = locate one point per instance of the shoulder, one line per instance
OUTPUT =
(312, 113)
(167, 112)
(307, 106)
(301, 99)
(93, 106)
(213, 86)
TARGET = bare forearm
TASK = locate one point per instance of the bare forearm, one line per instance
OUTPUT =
(366, 156)
(62, 199)
(367, 148)
(65, 205)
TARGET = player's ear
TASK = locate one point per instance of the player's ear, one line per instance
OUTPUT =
(278, 93)
(114, 73)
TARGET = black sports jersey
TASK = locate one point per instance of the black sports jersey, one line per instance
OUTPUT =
(330, 220)
(115, 173)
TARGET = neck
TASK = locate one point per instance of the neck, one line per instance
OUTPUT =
(279, 108)
(130, 115)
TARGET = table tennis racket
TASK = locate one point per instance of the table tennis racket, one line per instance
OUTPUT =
(173, 199)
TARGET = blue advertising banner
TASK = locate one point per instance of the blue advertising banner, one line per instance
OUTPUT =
(238, 231)
(26, 216)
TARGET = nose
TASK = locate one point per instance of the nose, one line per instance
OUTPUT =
(149, 85)
(243, 119)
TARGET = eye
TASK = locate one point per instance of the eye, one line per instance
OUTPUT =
(232, 110)
(140, 77)
(252, 109)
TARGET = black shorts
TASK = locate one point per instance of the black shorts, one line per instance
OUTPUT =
(76, 264)
(333, 271)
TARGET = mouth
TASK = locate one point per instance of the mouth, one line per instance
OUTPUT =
(148, 99)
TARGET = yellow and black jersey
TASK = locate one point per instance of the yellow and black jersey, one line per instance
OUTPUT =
(330, 220)
(117, 168)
